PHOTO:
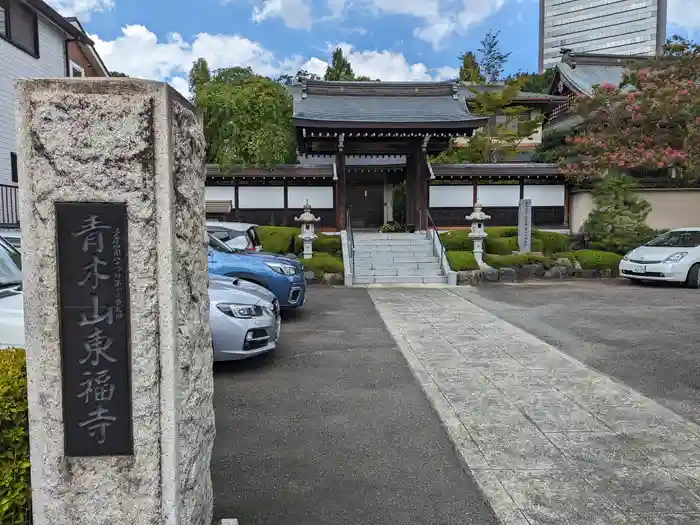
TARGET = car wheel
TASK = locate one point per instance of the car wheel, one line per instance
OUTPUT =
(693, 279)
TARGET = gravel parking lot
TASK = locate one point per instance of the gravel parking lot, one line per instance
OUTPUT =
(645, 336)
(334, 429)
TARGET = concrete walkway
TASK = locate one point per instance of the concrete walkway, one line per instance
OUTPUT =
(334, 429)
(550, 440)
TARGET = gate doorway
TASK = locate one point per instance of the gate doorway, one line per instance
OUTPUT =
(367, 205)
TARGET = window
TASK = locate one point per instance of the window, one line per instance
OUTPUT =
(75, 70)
(13, 167)
(18, 24)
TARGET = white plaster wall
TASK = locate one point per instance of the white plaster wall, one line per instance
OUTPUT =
(498, 195)
(260, 197)
(318, 196)
(221, 193)
(673, 208)
(542, 195)
(15, 64)
(452, 196)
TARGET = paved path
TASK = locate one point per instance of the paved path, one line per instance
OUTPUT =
(550, 440)
(334, 429)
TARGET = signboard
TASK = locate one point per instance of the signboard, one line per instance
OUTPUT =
(94, 316)
(525, 225)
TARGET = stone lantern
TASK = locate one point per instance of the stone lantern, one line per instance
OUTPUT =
(477, 218)
(307, 235)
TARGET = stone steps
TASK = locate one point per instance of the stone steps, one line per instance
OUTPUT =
(395, 258)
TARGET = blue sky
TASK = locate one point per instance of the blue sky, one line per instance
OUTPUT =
(387, 39)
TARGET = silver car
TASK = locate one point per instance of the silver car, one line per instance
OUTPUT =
(244, 317)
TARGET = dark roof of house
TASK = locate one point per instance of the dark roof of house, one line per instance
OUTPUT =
(582, 71)
(49, 12)
(438, 103)
(524, 97)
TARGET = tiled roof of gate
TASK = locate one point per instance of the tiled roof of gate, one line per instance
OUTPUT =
(382, 102)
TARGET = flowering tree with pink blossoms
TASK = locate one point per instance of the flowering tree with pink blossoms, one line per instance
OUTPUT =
(649, 123)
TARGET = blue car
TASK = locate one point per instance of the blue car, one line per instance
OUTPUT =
(283, 276)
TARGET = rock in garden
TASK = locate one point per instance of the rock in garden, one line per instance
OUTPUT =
(332, 278)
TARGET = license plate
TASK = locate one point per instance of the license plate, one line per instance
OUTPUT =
(639, 269)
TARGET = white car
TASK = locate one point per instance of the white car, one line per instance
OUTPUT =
(673, 256)
(238, 235)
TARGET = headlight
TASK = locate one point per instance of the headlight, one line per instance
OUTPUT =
(284, 269)
(241, 311)
(674, 258)
(627, 256)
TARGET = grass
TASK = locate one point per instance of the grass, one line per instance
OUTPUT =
(322, 263)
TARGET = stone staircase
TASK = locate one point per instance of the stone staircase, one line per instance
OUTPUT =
(395, 258)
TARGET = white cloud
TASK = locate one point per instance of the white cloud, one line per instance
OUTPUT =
(81, 8)
(439, 18)
(139, 53)
(684, 13)
(296, 14)
(181, 84)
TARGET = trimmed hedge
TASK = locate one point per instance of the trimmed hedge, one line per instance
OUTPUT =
(594, 259)
(323, 243)
(285, 239)
(462, 260)
(552, 242)
(322, 263)
(457, 240)
(15, 489)
(507, 245)
(277, 239)
(516, 261)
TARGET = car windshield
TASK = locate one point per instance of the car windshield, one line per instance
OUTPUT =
(10, 265)
(219, 246)
(677, 239)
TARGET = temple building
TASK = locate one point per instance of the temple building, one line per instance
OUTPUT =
(358, 140)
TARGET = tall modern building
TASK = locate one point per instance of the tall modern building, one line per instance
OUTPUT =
(616, 27)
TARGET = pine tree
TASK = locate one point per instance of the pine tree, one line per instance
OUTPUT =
(618, 220)
(470, 71)
(492, 59)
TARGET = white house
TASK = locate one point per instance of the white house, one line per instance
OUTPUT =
(34, 42)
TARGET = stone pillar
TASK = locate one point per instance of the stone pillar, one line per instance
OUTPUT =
(422, 178)
(136, 148)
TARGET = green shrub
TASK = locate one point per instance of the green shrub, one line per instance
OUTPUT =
(517, 260)
(323, 243)
(457, 240)
(15, 490)
(501, 231)
(507, 245)
(322, 263)
(460, 261)
(277, 239)
(594, 259)
(552, 242)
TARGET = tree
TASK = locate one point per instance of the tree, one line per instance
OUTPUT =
(303, 74)
(652, 122)
(247, 118)
(469, 70)
(618, 220)
(339, 68)
(117, 74)
(199, 75)
(534, 82)
(492, 59)
(498, 141)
